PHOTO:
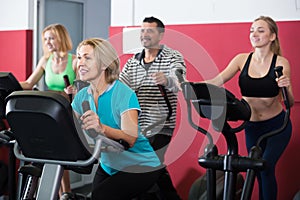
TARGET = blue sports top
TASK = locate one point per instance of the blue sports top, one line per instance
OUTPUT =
(116, 100)
(56, 81)
(258, 87)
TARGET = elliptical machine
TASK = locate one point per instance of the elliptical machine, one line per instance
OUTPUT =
(8, 84)
(220, 106)
(46, 132)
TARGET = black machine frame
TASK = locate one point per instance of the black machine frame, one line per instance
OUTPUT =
(221, 106)
(47, 132)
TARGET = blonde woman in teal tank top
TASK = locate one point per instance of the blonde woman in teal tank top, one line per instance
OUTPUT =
(54, 64)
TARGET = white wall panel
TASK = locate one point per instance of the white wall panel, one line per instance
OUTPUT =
(122, 12)
(16, 14)
(202, 11)
(131, 40)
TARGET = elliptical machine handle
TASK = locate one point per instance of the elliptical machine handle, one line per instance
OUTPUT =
(85, 107)
(179, 73)
(279, 69)
(163, 92)
(170, 110)
(6, 137)
(67, 83)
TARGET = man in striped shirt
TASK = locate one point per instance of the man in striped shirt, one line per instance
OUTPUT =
(151, 73)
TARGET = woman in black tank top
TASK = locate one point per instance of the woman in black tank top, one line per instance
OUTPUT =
(252, 87)
(261, 89)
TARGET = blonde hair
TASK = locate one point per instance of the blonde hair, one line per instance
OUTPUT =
(106, 56)
(62, 37)
(275, 46)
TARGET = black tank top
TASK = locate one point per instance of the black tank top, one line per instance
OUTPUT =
(258, 87)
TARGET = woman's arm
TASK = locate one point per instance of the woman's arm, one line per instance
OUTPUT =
(35, 76)
(232, 68)
(129, 126)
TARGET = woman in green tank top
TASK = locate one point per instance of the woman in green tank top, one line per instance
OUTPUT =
(54, 64)
(56, 61)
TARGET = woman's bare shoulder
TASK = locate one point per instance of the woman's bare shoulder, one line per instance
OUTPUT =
(240, 59)
(242, 56)
(42, 62)
(282, 61)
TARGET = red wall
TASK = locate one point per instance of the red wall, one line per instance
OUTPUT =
(207, 49)
(16, 57)
(16, 52)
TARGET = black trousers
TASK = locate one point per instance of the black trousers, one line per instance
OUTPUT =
(124, 185)
(160, 143)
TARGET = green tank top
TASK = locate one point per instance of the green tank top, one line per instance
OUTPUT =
(56, 81)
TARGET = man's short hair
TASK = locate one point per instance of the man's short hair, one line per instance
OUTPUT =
(160, 24)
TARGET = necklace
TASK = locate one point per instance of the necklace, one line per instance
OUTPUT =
(100, 90)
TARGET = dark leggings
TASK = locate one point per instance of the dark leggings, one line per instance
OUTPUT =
(272, 149)
(124, 185)
(160, 143)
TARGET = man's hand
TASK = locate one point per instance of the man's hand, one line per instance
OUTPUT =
(160, 78)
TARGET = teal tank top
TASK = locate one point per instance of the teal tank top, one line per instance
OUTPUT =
(56, 81)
